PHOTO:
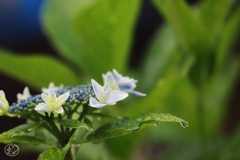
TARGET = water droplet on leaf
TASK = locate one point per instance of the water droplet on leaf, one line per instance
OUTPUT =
(77, 145)
(184, 124)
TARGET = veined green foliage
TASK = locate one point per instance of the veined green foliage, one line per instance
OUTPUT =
(22, 134)
(125, 125)
(69, 123)
(55, 153)
(105, 30)
(96, 29)
(59, 28)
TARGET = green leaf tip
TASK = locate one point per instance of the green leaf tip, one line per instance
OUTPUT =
(184, 124)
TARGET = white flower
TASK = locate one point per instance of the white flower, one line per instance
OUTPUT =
(25, 94)
(3, 103)
(105, 95)
(109, 79)
(125, 84)
(51, 86)
(52, 103)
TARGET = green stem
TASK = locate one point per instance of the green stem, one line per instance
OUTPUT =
(84, 112)
(202, 126)
(71, 153)
(61, 127)
(52, 128)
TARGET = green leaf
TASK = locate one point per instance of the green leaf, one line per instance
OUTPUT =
(125, 125)
(105, 29)
(22, 134)
(20, 129)
(126, 145)
(59, 28)
(89, 20)
(188, 28)
(54, 153)
(213, 14)
(158, 56)
(36, 70)
(70, 123)
(229, 34)
(22, 139)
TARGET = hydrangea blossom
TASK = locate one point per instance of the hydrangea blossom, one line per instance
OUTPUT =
(51, 86)
(25, 95)
(105, 95)
(52, 103)
(3, 103)
(119, 82)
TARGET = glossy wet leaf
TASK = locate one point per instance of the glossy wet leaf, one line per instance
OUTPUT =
(70, 123)
(54, 153)
(22, 139)
(20, 129)
(125, 125)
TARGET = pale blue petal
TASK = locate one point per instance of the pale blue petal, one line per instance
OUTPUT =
(117, 76)
(136, 93)
(62, 98)
(126, 86)
(115, 96)
(94, 103)
(43, 107)
(108, 78)
(59, 110)
(97, 88)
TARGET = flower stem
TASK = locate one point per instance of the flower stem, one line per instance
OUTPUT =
(202, 126)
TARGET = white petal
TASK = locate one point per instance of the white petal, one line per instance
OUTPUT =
(59, 110)
(43, 107)
(62, 98)
(115, 96)
(51, 85)
(26, 92)
(2, 94)
(94, 103)
(136, 93)
(45, 97)
(97, 88)
(110, 80)
(52, 93)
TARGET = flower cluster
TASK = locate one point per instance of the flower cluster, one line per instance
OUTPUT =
(56, 99)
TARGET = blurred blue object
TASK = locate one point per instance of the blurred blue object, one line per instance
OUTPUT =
(20, 21)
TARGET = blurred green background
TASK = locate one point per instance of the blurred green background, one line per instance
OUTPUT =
(185, 55)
